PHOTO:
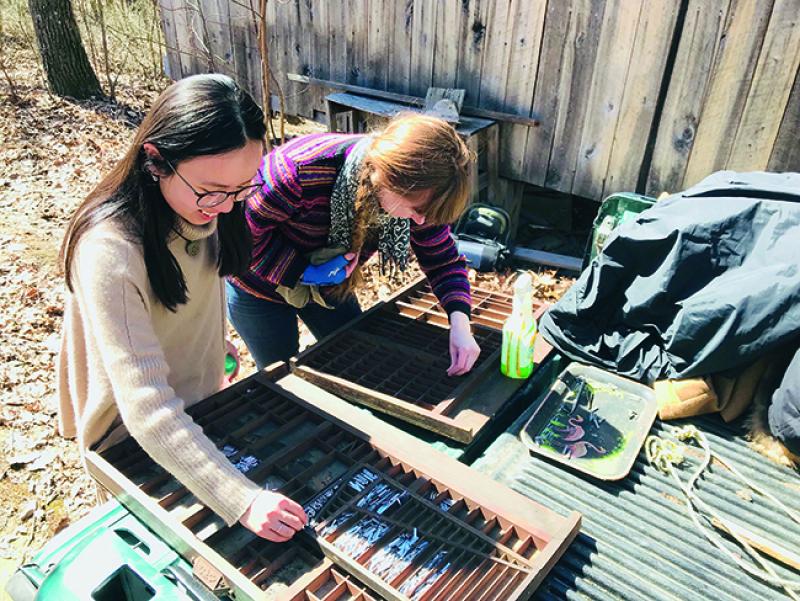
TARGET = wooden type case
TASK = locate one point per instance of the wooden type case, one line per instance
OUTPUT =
(462, 535)
(394, 358)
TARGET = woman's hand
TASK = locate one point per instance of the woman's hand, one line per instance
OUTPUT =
(352, 261)
(464, 350)
(274, 516)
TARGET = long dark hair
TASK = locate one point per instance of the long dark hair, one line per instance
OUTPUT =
(197, 116)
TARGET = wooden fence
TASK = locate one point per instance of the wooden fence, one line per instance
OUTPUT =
(633, 95)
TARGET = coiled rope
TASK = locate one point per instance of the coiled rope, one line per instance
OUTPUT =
(666, 454)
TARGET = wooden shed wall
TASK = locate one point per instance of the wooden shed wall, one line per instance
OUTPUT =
(645, 95)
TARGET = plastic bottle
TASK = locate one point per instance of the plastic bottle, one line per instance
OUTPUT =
(519, 332)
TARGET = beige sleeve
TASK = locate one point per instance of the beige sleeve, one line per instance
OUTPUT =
(111, 280)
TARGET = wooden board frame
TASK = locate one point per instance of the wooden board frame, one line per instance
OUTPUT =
(479, 497)
(453, 417)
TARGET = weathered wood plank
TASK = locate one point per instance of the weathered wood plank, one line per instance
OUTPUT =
(473, 175)
(404, 410)
(283, 39)
(337, 58)
(539, 141)
(238, 25)
(492, 151)
(614, 57)
(379, 31)
(494, 70)
(245, 46)
(220, 44)
(173, 51)
(300, 32)
(357, 23)
(204, 36)
(509, 196)
(448, 43)
(185, 38)
(687, 89)
(580, 53)
(727, 105)
(320, 65)
(423, 46)
(786, 154)
(525, 44)
(304, 37)
(731, 77)
(400, 34)
(198, 37)
(366, 105)
(772, 83)
(654, 35)
(254, 48)
(473, 33)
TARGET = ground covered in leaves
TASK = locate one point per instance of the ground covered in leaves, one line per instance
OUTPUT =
(53, 151)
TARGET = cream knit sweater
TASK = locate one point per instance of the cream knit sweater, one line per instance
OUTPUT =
(124, 354)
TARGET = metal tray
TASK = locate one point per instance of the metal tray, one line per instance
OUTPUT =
(592, 421)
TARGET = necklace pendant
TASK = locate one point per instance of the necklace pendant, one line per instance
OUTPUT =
(193, 248)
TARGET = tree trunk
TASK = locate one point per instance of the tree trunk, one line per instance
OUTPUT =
(69, 71)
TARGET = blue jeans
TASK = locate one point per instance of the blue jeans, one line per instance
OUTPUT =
(270, 329)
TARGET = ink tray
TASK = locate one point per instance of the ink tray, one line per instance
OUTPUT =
(592, 421)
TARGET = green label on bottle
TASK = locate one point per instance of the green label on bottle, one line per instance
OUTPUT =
(516, 358)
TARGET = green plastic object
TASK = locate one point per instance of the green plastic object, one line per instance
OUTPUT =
(615, 210)
(109, 555)
(230, 364)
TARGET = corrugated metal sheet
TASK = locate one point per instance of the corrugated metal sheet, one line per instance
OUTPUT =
(637, 540)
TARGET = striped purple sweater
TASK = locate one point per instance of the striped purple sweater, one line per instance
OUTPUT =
(291, 217)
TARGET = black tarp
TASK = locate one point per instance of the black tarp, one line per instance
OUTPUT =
(704, 281)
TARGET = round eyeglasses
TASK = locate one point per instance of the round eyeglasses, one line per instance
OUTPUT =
(207, 200)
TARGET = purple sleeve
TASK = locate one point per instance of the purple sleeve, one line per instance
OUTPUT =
(445, 269)
(275, 259)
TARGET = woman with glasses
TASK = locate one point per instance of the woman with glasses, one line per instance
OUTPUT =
(329, 202)
(144, 323)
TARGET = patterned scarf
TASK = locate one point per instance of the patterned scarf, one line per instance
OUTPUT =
(394, 233)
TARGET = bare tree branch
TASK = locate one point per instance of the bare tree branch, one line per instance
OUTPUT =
(84, 12)
(265, 74)
(156, 25)
(12, 88)
(100, 11)
(197, 39)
